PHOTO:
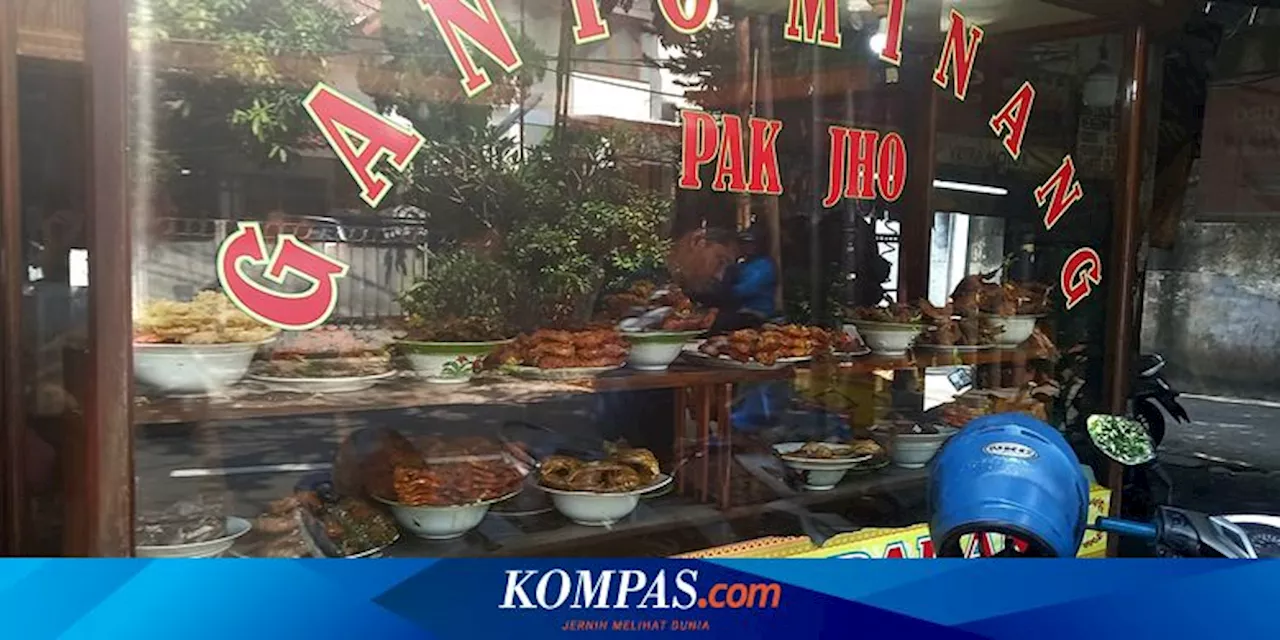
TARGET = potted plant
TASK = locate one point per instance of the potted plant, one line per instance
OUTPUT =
(457, 315)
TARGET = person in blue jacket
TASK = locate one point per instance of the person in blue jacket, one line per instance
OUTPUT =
(755, 279)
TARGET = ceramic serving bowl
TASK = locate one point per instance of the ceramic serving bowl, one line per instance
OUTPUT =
(820, 474)
(656, 350)
(441, 523)
(447, 362)
(887, 339)
(236, 527)
(600, 509)
(1016, 329)
(913, 450)
(191, 369)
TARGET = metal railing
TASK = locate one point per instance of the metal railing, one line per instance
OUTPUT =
(385, 258)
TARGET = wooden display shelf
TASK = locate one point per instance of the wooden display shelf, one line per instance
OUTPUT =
(253, 400)
(924, 358)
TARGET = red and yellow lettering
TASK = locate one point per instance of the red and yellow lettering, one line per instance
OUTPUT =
(360, 137)
(290, 311)
(804, 18)
(959, 51)
(891, 167)
(685, 18)
(860, 178)
(897, 549)
(765, 176)
(836, 154)
(588, 25)
(862, 163)
(1065, 190)
(1080, 273)
(1013, 118)
(925, 545)
(731, 175)
(478, 22)
(698, 145)
(892, 52)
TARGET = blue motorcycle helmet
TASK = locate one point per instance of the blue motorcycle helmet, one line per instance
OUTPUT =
(1010, 474)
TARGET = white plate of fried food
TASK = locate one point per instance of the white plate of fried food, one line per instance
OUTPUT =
(551, 354)
(769, 347)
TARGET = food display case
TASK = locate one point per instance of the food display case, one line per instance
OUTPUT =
(464, 277)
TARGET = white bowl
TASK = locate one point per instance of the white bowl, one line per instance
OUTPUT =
(600, 509)
(820, 474)
(1017, 329)
(654, 350)
(888, 339)
(915, 450)
(447, 362)
(441, 523)
(193, 368)
(236, 527)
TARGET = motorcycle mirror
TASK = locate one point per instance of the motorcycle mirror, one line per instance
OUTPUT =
(1122, 439)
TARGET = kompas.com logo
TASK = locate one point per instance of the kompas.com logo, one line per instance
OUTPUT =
(631, 589)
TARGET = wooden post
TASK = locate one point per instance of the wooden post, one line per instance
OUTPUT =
(1124, 243)
(107, 467)
(12, 277)
(920, 99)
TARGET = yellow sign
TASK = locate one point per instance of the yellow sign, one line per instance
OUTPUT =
(907, 542)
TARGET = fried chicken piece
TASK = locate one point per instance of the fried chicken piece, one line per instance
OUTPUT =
(558, 349)
(587, 339)
(642, 460)
(552, 335)
(556, 362)
(555, 471)
(605, 477)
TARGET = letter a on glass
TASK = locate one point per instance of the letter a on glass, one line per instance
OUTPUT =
(361, 137)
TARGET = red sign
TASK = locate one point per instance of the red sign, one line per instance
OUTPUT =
(290, 311)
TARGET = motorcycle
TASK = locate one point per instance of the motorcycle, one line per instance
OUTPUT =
(1014, 475)
(1151, 393)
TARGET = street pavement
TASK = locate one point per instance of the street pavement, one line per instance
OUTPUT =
(1228, 459)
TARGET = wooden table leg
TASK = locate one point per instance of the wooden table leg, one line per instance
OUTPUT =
(679, 430)
(725, 423)
(704, 394)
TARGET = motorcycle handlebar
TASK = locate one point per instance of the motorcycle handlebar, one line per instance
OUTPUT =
(1126, 528)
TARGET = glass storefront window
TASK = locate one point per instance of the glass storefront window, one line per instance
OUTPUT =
(460, 277)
